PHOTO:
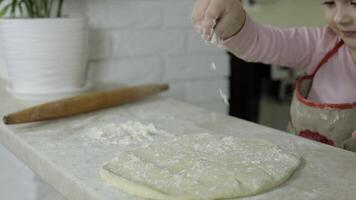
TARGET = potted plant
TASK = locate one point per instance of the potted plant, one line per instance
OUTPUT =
(45, 52)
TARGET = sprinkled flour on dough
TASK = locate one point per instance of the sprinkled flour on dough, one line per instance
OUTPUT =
(200, 167)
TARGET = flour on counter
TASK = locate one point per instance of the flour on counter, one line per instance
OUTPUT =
(128, 133)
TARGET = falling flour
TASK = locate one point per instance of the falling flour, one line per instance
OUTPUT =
(222, 94)
(224, 97)
(128, 133)
(213, 66)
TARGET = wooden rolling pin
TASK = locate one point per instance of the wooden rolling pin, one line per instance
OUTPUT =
(83, 103)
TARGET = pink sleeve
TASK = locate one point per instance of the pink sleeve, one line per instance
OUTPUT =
(290, 47)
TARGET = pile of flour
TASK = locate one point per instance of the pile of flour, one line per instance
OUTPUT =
(127, 133)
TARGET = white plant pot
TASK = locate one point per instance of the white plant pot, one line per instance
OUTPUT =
(46, 58)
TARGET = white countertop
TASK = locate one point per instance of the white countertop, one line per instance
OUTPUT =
(59, 151)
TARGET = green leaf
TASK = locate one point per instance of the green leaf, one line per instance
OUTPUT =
(4, 10)
(59, 8)
(32, 8)
(50, 6)
(45, 8)
(13, 8)
(29, 8)
(41, 10)
(37, 9)
(21, 8)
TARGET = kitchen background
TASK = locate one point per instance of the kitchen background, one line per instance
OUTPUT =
(145, 41)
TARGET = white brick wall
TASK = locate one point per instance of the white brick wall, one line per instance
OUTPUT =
(144, 41)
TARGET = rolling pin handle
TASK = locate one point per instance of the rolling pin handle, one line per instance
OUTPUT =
(5, 119)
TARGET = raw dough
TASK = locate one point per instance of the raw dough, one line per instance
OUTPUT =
(200, 167)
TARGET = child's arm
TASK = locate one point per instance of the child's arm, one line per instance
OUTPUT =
(251, 41)
(292, 47)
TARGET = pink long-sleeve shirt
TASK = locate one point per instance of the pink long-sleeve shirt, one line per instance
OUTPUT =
(302, 48)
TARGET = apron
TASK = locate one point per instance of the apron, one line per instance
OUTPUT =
(331, 124)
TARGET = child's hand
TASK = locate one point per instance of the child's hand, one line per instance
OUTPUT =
(354, 134)
(225, 18)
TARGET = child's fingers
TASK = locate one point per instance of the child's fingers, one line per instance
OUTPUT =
(232, 21)
(223, 28)
(199, 12)
(208, 28)
(213, 12)
(230, 24)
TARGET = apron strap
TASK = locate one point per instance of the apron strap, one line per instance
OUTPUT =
(328, 56)
(322, 62)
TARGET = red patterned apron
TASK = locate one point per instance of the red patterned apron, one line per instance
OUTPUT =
(332, 124)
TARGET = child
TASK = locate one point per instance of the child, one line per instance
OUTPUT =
(324, 102)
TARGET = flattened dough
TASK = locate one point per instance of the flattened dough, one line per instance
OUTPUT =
(200, 167)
